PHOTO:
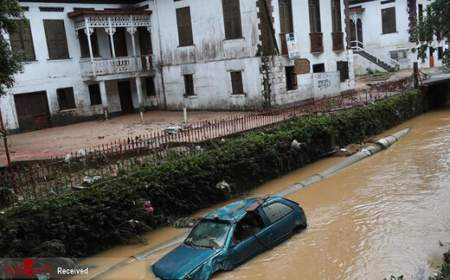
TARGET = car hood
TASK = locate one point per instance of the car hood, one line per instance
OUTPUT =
(181, 261)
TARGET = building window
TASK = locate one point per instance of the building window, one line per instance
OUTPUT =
(388, 20)
(232, 19)
(440, 53)
(314, 16)
(319, 68)
(94, 94)
(236, 82)
(337, 34)
(189, 85)
(291, 78)
(22, 40)
(55, 34)
(84, 44)
(336, 15)
(286, 23)
(342, 67)
(145, 41)
(66, 99)
(184, 27)
(150, 86)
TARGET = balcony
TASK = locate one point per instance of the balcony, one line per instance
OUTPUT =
(124, 35)
(316, 42)
(120, 65)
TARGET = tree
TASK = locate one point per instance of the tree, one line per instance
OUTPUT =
(436, 22)
(9, 61)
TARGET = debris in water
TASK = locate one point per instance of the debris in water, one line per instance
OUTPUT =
(187, 222)
(295, 145)
(148, 207)
(224, 186)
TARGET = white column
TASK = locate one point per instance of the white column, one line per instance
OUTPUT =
(132, 30)
(111, 30)
(88, 31)
(140, 97)
(104, 96)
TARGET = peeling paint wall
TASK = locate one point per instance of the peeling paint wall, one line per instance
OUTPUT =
(211, 57)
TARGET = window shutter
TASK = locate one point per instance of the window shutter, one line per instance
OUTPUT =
(314, 16)
(236, 82)
(286, 25)
(388, 19)
(189, 85)
(336, 15)
(55, 34)
(232, 19)
(184, 26)
(22, 41)
(27, 41)
(342, 67)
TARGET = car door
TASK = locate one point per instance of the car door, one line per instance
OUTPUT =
(279, 222)
(245, 250)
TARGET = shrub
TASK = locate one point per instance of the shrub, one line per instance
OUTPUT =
(111, 212)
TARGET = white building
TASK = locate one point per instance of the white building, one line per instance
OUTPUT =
(89, 58)
(383, 33)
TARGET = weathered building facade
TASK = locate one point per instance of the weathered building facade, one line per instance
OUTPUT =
(380, 29)
(228, 54)
(90, 58)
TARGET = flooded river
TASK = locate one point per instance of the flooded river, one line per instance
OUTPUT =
(384, 215)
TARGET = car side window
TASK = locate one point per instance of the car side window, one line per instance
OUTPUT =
(276, 211)
(247, 227)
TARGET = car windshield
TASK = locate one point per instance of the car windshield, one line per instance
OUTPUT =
(209, 234)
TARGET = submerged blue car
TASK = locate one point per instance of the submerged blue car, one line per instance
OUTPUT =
(231, 235)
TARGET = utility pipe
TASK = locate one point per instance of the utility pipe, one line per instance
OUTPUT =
(381, 144)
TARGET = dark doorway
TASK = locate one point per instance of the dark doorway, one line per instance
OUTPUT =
(32, 110)
(120, 42)
(126, 101)
(357, 41)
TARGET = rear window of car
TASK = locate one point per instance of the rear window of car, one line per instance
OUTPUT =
(276, 211)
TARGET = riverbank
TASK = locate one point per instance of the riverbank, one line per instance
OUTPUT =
(112, 212)
(382, 216)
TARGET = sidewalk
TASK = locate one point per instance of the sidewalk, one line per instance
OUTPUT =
(58, 141)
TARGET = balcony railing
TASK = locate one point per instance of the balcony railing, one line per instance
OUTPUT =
(120, 65)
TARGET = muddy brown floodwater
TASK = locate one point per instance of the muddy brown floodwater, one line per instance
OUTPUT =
(384, 215)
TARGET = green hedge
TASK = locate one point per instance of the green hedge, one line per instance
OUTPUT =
(85, 222)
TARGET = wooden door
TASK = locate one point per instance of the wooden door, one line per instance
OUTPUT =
(32, 110)
(126, 101)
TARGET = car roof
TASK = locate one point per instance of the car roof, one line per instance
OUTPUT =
(235, 211)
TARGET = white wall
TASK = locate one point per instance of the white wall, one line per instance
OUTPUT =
(381, 44)
(49, 75)
(212, 57)
(306, 88)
